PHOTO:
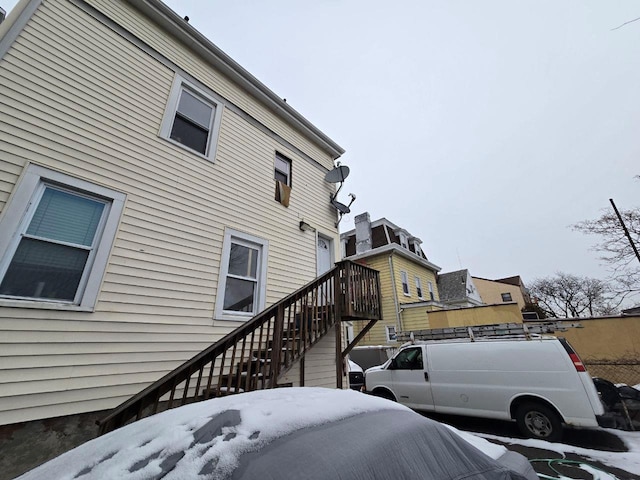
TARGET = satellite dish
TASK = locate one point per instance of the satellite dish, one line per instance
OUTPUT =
(338, 174)
(341, 207)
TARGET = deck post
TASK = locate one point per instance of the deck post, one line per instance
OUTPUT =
(340, 299)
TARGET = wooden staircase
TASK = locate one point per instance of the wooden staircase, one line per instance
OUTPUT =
(259, 353)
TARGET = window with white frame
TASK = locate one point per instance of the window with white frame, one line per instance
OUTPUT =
(430, 287)
(391, 333)
(403, 240)
(242, 282)
(282, 171)
(56, 236)
(405, 282)
(192, 118)
(419, 287)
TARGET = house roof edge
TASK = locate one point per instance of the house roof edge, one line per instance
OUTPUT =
(170, 20)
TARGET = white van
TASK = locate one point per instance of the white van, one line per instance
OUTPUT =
(539, 382)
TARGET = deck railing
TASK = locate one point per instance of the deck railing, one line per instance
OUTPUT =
(258, 353)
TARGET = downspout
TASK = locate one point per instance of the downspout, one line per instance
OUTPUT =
(395, 293)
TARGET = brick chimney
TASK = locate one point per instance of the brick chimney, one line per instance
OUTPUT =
(363, 232)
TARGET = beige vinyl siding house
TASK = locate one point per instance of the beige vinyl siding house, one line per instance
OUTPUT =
(86, 88)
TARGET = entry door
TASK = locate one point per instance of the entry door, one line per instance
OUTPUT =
(324, 255)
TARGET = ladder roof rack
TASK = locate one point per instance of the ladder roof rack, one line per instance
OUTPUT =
(493, 330)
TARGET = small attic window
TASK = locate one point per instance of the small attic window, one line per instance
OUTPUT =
(403, 240)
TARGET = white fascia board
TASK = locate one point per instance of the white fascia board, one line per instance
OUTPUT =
(396, 249)
(171, 22)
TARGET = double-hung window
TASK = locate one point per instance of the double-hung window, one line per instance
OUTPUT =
(192, 118)
(242, 282)
(419, 287)
(391, 333)
(405, 282)
(56, 237)
(282, 171)
(431, 295)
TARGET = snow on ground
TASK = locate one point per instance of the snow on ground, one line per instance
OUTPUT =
(629, 461)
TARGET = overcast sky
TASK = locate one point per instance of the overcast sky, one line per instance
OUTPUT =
(486, 128)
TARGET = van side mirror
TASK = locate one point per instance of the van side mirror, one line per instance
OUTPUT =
(393, 365)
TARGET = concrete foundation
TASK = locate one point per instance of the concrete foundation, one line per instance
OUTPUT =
(26, 445)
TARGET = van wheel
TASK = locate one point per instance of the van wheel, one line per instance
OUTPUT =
(382, 393)
(539, 421)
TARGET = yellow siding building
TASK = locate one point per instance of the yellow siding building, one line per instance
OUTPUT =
(407, 277)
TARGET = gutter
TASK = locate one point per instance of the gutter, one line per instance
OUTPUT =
(163, 16)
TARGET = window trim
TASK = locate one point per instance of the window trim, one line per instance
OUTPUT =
(231, 234)
(179, 84)
(404, 240)
(404, 280)
(395, 333)
(419, 290)
(17, 213)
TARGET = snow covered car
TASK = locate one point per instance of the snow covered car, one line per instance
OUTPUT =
(310, 433)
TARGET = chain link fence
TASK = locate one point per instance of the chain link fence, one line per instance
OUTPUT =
(616, 371)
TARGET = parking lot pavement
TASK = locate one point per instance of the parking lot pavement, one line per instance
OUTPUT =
(555, 461)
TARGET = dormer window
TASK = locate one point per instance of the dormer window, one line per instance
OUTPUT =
(403, 240)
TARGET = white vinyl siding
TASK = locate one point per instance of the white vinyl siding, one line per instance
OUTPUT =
(72, 105)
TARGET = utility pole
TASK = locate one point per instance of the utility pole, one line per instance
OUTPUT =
(624, 227)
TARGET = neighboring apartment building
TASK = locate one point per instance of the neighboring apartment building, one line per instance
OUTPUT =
(151, 199)
(503, 290)
(407, 277)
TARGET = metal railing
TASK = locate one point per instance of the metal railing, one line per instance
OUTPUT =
(257, 354)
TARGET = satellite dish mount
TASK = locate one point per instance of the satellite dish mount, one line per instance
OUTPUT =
(338, 175)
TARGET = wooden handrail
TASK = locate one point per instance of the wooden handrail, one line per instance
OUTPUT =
(256, 354)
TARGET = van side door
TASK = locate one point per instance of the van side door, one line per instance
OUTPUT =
(410, 380)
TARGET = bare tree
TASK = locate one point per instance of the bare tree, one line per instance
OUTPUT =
(615, 247)
(569, 296)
